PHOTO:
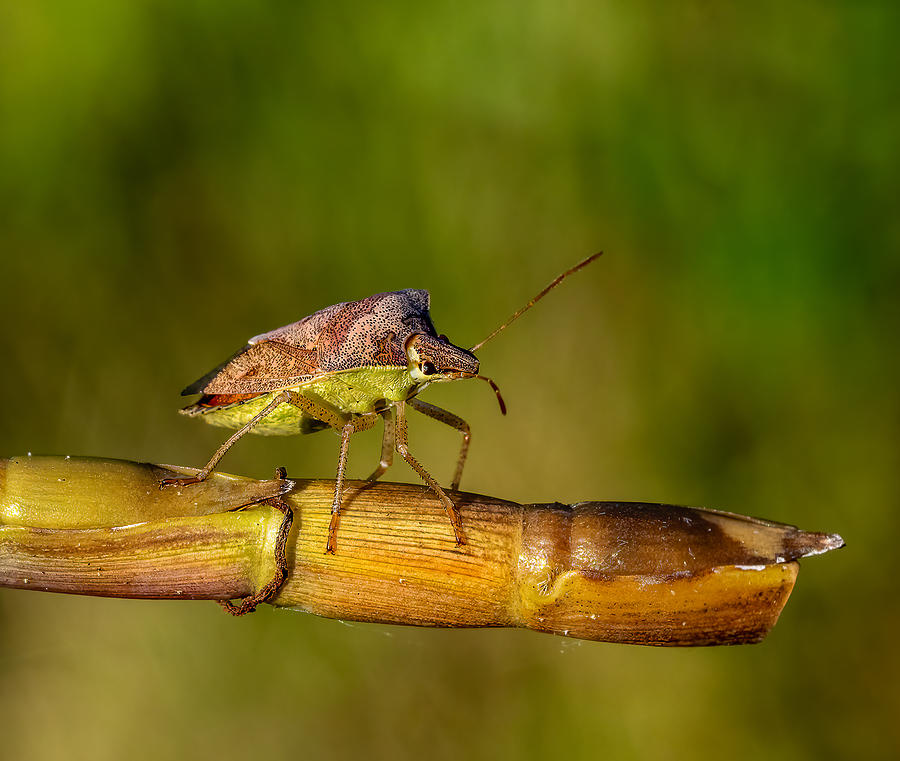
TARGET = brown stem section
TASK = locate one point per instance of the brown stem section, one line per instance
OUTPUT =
(620, 572)
(213, 563)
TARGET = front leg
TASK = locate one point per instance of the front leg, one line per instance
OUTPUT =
(403, 449)
(454, 421)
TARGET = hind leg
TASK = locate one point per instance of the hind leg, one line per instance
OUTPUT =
(202, 475)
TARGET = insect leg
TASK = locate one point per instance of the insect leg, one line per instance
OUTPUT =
(319, 411)
(403, 449)
(387, 445)
(454, 421)
(355, 425)
(347, 427)
(248, 604)
(203, 474)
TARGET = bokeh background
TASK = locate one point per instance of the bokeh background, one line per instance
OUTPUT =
(178, 176)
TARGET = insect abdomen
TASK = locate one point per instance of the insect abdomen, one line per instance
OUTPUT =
(284, 420)
(356, 391)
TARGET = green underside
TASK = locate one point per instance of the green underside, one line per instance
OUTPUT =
(351, 391)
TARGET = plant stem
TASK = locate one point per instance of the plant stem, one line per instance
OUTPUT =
(619, 572)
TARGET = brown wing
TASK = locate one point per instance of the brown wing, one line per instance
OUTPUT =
(370, 332)
(303, 333)
(271, 361)
(259, 368)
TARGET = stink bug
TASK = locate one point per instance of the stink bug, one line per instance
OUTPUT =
(345, 367)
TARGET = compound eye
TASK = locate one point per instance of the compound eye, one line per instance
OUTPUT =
(428, 368)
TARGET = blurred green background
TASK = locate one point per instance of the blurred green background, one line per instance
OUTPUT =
(178, 176)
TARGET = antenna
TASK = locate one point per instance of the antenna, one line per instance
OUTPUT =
(537, 298)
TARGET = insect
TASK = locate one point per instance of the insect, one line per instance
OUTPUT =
(345, 367)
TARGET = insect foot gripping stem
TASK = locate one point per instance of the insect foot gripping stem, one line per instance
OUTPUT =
(268, 591)
(452, 512)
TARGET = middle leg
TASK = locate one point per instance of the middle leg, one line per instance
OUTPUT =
(347, 426)
(388, 443)
(355, 425)
(454, 421)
